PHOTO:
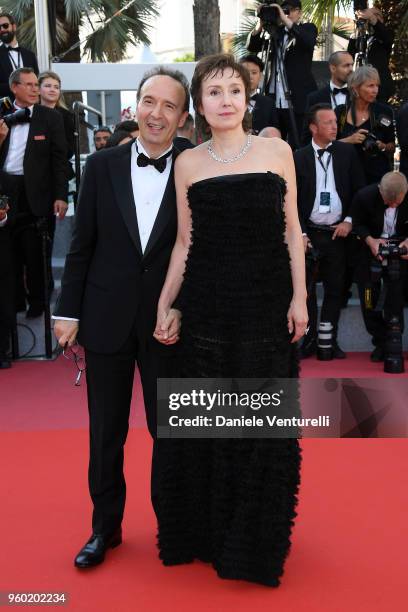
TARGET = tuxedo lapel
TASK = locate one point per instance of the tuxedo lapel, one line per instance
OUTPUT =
(5, 60)
(120, 171)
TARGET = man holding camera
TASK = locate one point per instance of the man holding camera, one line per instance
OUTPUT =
(33, 175)
(292, 53)
(12, 56)
(380, 218)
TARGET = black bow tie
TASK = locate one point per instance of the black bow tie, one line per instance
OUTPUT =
(13, 49)
(321, 152)
(159, 163)
(337, 90)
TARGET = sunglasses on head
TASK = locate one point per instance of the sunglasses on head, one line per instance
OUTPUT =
(4, 26)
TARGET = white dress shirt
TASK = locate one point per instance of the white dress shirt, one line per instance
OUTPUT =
(148, 190)
(334, 216)
(14, 163)
(340, 98)
(390, 221)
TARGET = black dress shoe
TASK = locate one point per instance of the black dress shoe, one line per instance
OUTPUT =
(34, 311)
(377, 355)
(93, 553)
(308, 348)
(337, 352)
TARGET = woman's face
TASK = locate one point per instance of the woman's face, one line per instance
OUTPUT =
(368, 90)
(50, 91)
(223, 102)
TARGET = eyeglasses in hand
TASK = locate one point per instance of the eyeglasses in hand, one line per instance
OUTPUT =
(76, 354)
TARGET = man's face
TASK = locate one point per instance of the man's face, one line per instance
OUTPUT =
(7, 30)
(100, 139)
(255, 74)
(160, 111)
(393, 202)
(26, 90)
(342, 71)
(294, 14)
(325, 128)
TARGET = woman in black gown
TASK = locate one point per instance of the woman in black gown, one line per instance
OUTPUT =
(232, 502)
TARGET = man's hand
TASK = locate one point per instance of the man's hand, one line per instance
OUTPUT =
(356, 138)
(3, 212)
(167, 326)
(342, 230)
(306, 243)
(3, 131)
(374, 244)
(367, 14)
(60, 208)
(66, 332)
(284, 18)
(404, 244)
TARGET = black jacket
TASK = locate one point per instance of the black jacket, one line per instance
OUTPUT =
(298, 61)
(107, 280)
(45, 160)
(348, 176)
(264, 113)
(378, 54)
(402, 131)
(29, 60)
(367, 210)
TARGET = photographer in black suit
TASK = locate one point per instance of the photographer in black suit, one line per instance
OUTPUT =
(33, 174)
(380, 212)
(295, 44)
(261, 107)
(328, 173)
(11, 55)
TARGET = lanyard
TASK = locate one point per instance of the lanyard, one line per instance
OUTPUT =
(325, 169)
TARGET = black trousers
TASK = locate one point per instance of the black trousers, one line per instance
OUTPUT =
(332, 266)
(110, 385)
(285, 126)
(376, 320)
(7, 316)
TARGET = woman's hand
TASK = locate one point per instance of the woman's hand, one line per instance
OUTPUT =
(167, 328)
(297, 318)
(356, 138)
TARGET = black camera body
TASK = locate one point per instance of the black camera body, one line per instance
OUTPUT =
(369, 145)
(391, 250)
(269, 15)
(360, 5)
(22, 115)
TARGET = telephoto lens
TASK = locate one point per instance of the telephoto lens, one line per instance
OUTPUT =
(393, 357)
(325, 341)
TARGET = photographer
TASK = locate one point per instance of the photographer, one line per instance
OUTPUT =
(293, 54)
(33, 174)
(380, 213)
(378, 42)
(367, 124)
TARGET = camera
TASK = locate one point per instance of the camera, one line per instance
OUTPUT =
(269, 15)
(360, 5)
(369, 145)
(22, 115)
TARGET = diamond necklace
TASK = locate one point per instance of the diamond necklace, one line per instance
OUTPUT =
(230, 160)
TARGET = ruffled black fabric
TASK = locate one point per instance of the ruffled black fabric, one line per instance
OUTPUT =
(232, 502)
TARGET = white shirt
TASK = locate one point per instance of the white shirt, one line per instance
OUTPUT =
(340, 98)
(390, 221)
(276, 85)
(14, 163)
(15, 57)
(148, 190)
(334, 215)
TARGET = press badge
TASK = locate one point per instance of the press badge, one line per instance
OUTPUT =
(324, 206)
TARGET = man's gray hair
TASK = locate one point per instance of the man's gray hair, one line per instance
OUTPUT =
(393, 184)
(360, 76)
(14, 77)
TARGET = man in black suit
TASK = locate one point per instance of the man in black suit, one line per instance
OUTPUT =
(261, 107)
(328, 173)
(295, 46)
(402, 132)
(11, 55)
(125, 230)
(380, 212)
(33, 173)
(379, 47)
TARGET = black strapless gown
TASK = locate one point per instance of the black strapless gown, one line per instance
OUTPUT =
(231, 502)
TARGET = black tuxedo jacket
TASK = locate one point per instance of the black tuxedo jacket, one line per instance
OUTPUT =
(298, 61)
(6, 67)
(368, 214)
(264, 113)
(402, 131)
(45, 160)
(348, 176)
(108, 281)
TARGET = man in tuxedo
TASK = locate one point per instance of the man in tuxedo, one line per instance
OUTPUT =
(125, 230)
(11, 55)
(295, 46)
(261, 107)
(328, 173)
(33, 174)
(380, 212)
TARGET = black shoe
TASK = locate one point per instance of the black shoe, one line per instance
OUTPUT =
(337, 352)
(377, 355)
(5, 362)
(34, 311)
(308, 348)
(93, 553)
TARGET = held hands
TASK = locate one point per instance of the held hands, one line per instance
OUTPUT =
(66, 332)
(167, 326)
(3, 131)
(342, 230)
(297, 319)
(358, 137)
(60, 208)
(404, 244)
(374, 244)
(306, 243)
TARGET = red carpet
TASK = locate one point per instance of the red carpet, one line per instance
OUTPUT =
(349, 543)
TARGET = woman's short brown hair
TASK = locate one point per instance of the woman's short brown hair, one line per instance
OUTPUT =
(209, 66)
